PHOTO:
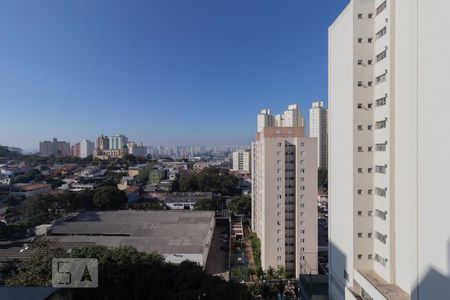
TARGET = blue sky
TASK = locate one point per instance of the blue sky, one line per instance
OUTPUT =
(159, 71)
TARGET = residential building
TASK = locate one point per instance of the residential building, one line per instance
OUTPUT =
(136, 150)
(292, 117)
(54, 147)
(75, 150)
(27, 190)
(242, 161)
(318, 128)
(265, 119)
(388, 162)
(284, 198)
(86, 148)
(117, 142)
(200, 166)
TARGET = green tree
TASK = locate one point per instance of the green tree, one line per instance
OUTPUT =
(109, 198)
(240, 205)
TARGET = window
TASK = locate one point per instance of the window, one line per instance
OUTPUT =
(360, 213)
(279, 145)
(381, 214)
(360, 127)
(381, 169)
(360, 83)
(360, 40)
(369, 149)
(380, 260)
(380, 192)
(381, 78)
(360, 192)
(369, 235)
(381, 56)
(381, 124)
(369, 256)
(359, 256)
(369, 105)
(370, 213)
(360, 16)
(360, 235)
(369, 127)
(381, 101)
(380, 8)
(369, 61)
(381, 33)
(369, 170)
(360, 149)
(370, 16)
(360, 61)
(381, 237)
(369, 83)
(381, 147)
(370, 40)
(369, 191)
(359, 105)
(360, 170)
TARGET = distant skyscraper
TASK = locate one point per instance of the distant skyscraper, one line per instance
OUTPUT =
(117, 142)
(318, 128)
(389, 228)
(136, 150)
(102, 143)
(54, 147)
(242, 161)
(75, 150)
(86, 148)
(284, 194)
(292, 117)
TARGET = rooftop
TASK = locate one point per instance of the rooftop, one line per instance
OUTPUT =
(389, 291)
(164, 232)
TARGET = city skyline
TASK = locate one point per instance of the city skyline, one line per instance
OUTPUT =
(158, 81)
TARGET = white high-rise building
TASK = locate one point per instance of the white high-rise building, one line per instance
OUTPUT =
(265, 119)
(86, 148)
(242, 161)
(318, 128)
(284, 198)
(389, 230)
(292, 117)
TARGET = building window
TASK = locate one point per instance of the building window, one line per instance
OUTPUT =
(380, 260)
(381, 237)
(369, 256)
(369, 127)
(370, 213)
(381, 214)
(359, 256)
(381, 78)
(369, 61)
(380, 169)
(360, 170)
(381, 124)
(369, 149)
(369, 235)
(369, 170)
(381, 55)
(360, 16)
(360, 61)
(360, 83)
(369, 191)
(360, 127)
(369, 105)
(360, 213)
(381, 7)
(370, 40)
(369, 83)
(360, 192)
(380, 192)
(381, 33)
(360, 105)
(360, 40)
(370, 16)
(381, 101)
(360, 235)
(360, 149)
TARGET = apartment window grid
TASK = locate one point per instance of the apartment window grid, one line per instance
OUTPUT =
(381, 33)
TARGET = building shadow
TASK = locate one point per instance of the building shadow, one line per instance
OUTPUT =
(434, 285)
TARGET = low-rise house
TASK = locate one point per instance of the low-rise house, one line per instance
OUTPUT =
(27, 190)
(185, 200)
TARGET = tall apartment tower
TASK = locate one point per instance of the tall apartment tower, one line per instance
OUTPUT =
(318, 128)
(242, 161)
(86, 148)
(388, 152)
(117, 142)
(284, 198)
(292, 117)
(54, 147)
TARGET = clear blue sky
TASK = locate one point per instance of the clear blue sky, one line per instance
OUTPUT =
(159, 71)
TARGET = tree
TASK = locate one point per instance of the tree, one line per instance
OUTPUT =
(210, 180)
(144, 173)
(240, 205)
(109, 198)
(323, 178)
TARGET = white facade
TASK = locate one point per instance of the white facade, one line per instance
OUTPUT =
(265, 119)
(117, 142)
(284, 205)
(318, 128)
(242, 161)
(389, 227)
(292, 117)
(86, 148)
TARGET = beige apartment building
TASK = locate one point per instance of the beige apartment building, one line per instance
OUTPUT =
(284, 196)
(389, 229)
(242, 161)
(318, 128)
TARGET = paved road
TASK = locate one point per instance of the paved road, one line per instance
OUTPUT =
(217, 262)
